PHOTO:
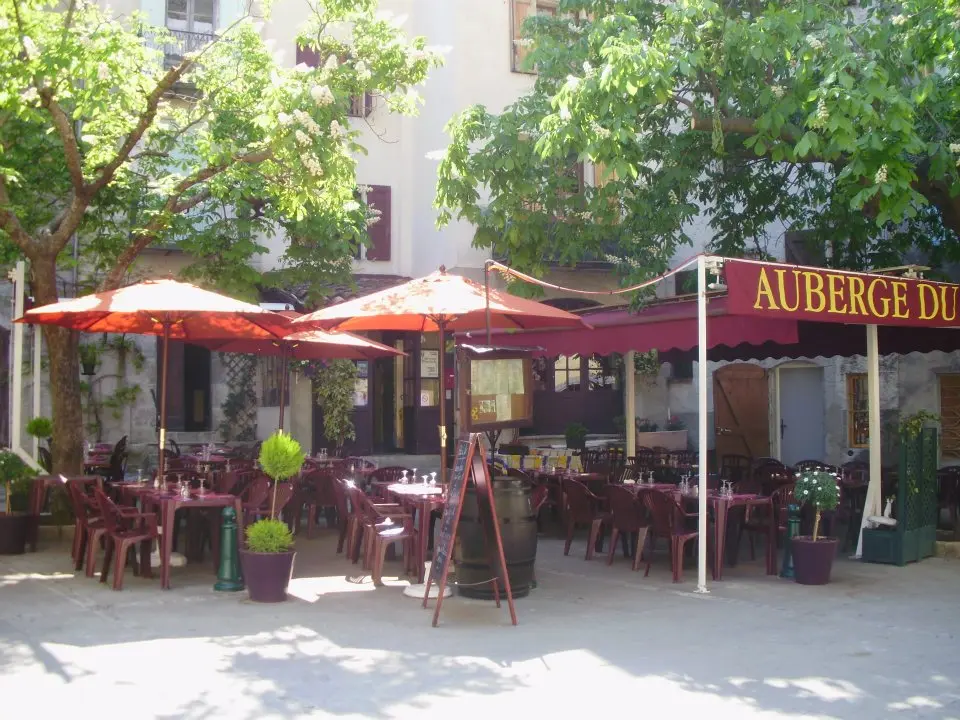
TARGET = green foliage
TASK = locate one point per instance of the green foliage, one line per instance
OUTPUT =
(281, 457)
(644, 425)
(40, 427)
(762, 116)
(89, 355)
(820, 489)
(333, 384)
(269, 536)
(576, 435)
(120, 399)
(15, 474)
(911, 425)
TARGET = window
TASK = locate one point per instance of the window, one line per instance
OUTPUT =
(522, 9)
(188, 386)
(681, 369)
(685, 282)
(566, 373)
(271, 377)
(360, 105)
(858, 414)
(950, 416)
(601, 373)
(378, 200)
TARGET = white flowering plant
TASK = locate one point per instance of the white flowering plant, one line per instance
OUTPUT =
(821, 490)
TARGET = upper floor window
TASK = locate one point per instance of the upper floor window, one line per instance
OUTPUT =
(522, 9)
(195, 16)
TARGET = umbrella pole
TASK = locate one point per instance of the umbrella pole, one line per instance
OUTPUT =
(283, 380)
(163, 400)
(486, 288)
(443, 405)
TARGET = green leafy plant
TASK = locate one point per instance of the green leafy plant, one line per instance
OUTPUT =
(576, 435)
(89, 357)
(674, 423)
(644, 425)
(40, 427)
(15, 475)
(281, 457)
(333, 384)
(911, 425)
(819, 489)
(269, 536)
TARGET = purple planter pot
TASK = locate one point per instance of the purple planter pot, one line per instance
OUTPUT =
(813, 561)
(267, 575)
(14, 531)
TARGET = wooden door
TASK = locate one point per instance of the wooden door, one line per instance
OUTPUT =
(741, 402)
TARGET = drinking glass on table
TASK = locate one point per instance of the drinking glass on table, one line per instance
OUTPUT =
(433, 479)
(403, 477)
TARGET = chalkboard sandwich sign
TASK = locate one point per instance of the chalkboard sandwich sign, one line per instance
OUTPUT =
(469, 467)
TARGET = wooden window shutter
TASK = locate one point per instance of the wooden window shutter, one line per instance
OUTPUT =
(307, 56)
(522, 9)
(176, 407)
(601, 175)
(378, 248)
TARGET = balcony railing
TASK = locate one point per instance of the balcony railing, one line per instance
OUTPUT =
(184, 42)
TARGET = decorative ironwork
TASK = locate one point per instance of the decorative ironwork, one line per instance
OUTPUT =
(240, 407)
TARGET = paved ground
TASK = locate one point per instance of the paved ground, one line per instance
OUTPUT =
(877, 643)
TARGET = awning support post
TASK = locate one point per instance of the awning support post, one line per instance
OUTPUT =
(630, 401)
(702, 423)
(874, 501)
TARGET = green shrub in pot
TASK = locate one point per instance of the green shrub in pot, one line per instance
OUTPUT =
(15, 476)
(281, 457)
(819, 489)
(269, 536)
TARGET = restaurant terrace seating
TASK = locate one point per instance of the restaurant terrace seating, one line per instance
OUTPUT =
(668, 520)
(627, 516)
(123, 533)
(583, 508)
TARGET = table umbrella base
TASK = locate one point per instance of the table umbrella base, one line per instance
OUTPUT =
(416, 591)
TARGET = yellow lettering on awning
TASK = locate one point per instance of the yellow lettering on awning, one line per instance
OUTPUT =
(765, 291)
(929, 301)
(872, 298)
(781, 286)
(813, 285)
(835, 289)
(900, 309)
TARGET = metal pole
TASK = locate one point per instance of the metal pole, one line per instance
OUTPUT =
(702, 423)
(873, 503)
(486, 290)
(16, 400)
(163, 399)
(443, 403)
(283, 379)
(37, 349)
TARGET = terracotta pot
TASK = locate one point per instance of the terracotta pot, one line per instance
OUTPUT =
(14, 530)
(813, 561)
(267, 574)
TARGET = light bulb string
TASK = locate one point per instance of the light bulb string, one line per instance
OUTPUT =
(509, 271)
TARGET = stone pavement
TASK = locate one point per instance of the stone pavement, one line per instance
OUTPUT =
(879, 642)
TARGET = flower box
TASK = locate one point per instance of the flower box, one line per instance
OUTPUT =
(669, 439)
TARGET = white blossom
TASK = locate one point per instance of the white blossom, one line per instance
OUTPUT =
(3, 23)
(524, 42)
(371, 221)
(30, 47)
(588, 69)
(881, 176)
(899, 19)
(321, 95)
(336, 130)
(564, 113)
(284, 119)
(955, 148)
(302, 68)
(777, 91)
(103, 71)
(332, 63)
(814, 42)
(302, 137)
(363, 72)
(313, 165)
(30, 95)
(673, 197)
(418, 55)
(351, 206)
(364, 189)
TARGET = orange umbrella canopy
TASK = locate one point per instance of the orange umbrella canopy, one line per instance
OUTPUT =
(456, 302)
(147, 308)
(308, 345)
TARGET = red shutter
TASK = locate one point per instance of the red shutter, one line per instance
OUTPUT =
(308, 56)
(379, 233)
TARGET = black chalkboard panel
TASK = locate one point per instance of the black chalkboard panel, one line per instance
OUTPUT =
(443, 545)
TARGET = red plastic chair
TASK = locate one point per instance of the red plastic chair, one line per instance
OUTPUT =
(390, 474)
(583, 508)
(667, 521)
(364, 517)
(759, 524)
(315, 491)
(123, 533)
(252, 512)
(627, 516)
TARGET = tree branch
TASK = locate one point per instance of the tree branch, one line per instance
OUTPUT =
(174, 205)
(68, 137)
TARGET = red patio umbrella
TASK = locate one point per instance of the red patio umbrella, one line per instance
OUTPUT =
(306, 345)
(167, 308)
(439, 302)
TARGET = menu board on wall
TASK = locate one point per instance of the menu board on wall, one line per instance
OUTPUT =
(497, 389)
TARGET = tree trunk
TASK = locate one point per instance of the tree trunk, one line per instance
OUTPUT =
(64, 376)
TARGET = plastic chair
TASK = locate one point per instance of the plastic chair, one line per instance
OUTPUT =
(667, 521)
(123, 533)
(315, 491)
(583, 508)
(627, 516)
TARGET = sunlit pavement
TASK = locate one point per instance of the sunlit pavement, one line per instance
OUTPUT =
(878, 642)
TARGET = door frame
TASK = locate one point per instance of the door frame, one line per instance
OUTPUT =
(776, 417)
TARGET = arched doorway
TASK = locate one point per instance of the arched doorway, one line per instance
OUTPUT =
(741, 403)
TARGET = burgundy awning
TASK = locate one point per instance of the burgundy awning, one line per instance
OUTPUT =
(661, 326)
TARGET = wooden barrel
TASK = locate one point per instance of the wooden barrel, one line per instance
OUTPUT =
(518, 529)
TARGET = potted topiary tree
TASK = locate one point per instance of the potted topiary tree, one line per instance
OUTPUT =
(15, 522)
(267, 558)
(576, 436)
(813, 555)
(42, 428)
